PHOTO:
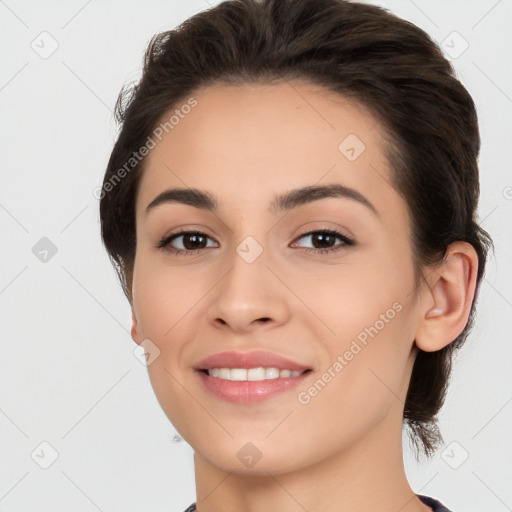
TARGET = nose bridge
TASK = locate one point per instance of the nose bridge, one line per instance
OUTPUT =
(250, 250)
(247, 292)
(246, 282)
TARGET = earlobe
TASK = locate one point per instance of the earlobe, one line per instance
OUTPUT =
(452, 289)
(135, 329)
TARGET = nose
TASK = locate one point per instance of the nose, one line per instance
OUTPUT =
(248, 296)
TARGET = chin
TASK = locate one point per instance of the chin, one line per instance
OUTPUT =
(251, 459)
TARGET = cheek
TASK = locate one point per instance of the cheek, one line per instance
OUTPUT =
(165, 296)
(164, 299)
(351, 296)
(361, 383)
(366, 326)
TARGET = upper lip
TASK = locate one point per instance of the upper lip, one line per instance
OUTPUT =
(249, 359)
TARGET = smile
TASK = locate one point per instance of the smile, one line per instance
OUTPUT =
(252, 374)
(235, 385)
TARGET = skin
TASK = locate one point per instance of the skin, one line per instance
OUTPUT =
(342, 451)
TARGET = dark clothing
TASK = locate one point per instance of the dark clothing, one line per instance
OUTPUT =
(436, 506)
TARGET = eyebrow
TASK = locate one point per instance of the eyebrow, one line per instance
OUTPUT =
(204, 200)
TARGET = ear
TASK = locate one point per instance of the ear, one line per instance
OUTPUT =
(135, 329)
(446, 304)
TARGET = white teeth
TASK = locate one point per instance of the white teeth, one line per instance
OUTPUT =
(252, 374)
(224, 373)
(271, 373)
(256, 374)
(238, 374)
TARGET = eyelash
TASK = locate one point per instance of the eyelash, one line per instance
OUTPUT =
(347, 241)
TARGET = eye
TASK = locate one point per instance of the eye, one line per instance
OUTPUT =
(192, 243)
(324, 240)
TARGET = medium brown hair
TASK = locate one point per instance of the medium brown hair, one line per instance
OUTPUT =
(359, 51)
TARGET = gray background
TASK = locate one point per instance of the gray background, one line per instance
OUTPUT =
(68, 375)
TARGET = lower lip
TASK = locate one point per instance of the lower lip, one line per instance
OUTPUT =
(249, 392)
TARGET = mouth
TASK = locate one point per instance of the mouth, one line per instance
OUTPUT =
(249, 377)
(246, 387)
(252, 374)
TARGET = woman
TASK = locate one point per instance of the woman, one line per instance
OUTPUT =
(290, 206)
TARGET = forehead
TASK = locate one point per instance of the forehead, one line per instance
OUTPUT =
(249, 141)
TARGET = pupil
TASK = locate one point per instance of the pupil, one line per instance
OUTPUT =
(325, 237)
(194, 245)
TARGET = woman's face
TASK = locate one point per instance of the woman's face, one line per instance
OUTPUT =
(259, 275)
